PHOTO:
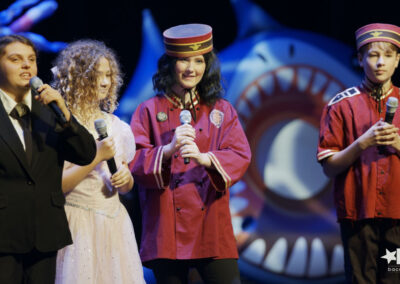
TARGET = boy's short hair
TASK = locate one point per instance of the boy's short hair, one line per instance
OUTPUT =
(6, 40)
(378, 32)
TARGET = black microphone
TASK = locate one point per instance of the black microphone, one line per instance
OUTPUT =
(391, 107)
(185, 117)
(36, 83)
(101, 128)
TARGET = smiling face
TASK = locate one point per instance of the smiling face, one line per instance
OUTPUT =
(17, 67)
(379, 61)
(189, 71)
(103, 73)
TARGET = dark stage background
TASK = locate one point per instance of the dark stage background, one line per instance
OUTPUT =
(269, 218)
(118, 22)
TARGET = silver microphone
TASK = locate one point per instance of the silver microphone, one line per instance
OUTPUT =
(185, 117)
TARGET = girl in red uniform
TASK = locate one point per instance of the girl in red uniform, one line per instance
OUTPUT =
(185, 205)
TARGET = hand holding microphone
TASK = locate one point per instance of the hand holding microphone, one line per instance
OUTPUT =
(184, 135)
(391, 107)
(49, 96)
(185, 117)
(189, 147)
(101, 128)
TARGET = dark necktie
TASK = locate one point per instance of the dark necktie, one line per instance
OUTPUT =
(21, 113)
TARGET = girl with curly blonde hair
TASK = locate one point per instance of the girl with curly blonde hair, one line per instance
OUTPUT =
(87, 74)
(76, 77)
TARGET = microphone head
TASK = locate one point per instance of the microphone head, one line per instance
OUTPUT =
(185, 116)
(100, 126)
(35, 83)
(392, 104)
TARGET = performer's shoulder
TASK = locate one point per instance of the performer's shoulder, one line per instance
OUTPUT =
(348, 93)
(152, 101)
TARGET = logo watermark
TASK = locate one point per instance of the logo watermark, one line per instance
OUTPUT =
(392, 256)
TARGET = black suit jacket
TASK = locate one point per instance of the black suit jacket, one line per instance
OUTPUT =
(31, 200)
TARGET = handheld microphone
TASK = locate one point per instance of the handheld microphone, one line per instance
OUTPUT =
(185, 117)
(101, 128)
(36, 83)
(391, 107)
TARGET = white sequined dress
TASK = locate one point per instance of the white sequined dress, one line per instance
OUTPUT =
(104, 248)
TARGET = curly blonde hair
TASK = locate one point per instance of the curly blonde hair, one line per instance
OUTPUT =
(76, 79)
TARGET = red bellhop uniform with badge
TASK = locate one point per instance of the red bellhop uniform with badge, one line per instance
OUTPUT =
(370, 187)
(185, 208)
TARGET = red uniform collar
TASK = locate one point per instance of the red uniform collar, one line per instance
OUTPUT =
(176, 101)
(368, 88)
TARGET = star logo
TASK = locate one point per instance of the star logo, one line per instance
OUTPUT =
(195, 46)
(376, 34)
(389, 256)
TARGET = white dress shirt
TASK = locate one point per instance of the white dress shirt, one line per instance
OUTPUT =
(9, 105)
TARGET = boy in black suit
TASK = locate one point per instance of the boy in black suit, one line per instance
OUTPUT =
(33, 148)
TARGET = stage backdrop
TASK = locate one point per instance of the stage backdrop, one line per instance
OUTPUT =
(278, 79)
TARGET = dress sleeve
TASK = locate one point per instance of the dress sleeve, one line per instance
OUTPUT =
(147, 166)
(126, 146)
(233, 155)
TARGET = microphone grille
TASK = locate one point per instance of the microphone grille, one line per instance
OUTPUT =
(35, 82)
(392, 104)
(185, 116)
(100, 126)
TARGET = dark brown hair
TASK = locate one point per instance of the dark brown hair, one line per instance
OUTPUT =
(6, 40)
(209, 88)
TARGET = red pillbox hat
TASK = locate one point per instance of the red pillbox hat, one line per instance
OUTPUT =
(188, 40)
(378, 32)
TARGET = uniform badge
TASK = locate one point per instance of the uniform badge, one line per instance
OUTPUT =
(216, 117)
(161, 116)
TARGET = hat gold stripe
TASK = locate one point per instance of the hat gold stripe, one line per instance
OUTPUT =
(379, 30)
(183, 44)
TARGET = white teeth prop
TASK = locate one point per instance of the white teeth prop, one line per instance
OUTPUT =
(245, 110)
(255, 252)
(285, 78)
(333, 88)
(253, 96)
(320, 81)
(337, 263)
(275, 261)
(267, 84)
(298, 258)
(237, 225)
(304, 77)
(285, 176)
(299, 261)
(318, 259)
